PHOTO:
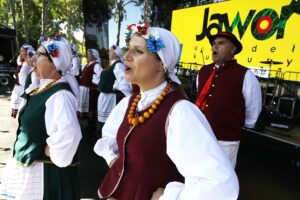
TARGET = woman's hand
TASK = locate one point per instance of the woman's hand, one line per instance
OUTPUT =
(47, 151)
(112, 162)
(157, 194)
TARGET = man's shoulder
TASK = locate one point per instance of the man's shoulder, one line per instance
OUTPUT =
(207, 66)
(242, 67)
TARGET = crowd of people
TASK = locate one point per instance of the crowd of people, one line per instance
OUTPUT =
(157, 144)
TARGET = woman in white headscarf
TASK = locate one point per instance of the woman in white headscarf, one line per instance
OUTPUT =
(75, 61)
(32, 80)
(158, 144)
(112, 85)
(88, 93)
(44, 164)
(21, 74)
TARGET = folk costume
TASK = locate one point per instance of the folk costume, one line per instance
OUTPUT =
(230, 98)
(88, 93)
(173, 147)
(48, 118)
(20, 75)
(15, 99)
(75, 62)
(112, 86)
(32, 80)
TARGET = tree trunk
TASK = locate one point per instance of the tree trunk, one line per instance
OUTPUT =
(44, 16)
(7, 9)
(148, 11)
(118, 33)
(25, 23)
(12, 7)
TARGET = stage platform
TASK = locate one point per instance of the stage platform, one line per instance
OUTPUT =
(290, 137)
(268, 164)
(282, 146)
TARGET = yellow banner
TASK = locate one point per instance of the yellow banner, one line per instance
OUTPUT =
(268, 29)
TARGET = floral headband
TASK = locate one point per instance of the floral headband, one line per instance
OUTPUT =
(57, 37)
(52, 48)
(154, 43)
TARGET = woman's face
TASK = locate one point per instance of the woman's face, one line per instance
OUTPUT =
(23, 53)
(29, 61)
(141, 67)
(112, 54)
(91, 57)
(44, 68)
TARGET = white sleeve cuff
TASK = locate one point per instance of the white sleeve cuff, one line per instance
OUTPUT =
(107, 148)
(172, 191)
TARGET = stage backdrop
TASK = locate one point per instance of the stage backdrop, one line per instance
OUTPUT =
(268, 30)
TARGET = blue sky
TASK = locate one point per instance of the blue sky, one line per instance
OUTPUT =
(133, 17)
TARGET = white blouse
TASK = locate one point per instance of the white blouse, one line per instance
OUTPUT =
(191, 145)
(62, 125)
(25, 69)
(97, 72)
(75, 66)
(121, 83)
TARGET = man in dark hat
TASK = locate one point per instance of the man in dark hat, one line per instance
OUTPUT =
(229, 94)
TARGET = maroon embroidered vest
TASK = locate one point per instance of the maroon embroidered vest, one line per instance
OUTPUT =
(143, 165)
(87, 76)
(225, 105)
(17, 71)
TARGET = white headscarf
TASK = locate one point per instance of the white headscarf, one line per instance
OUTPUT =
(169, 50)
(28, 47)
(74, 48)
(95, 53)
(62, 61)
(119, 52)
(31, 53)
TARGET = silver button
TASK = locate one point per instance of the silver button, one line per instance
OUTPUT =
(209, 95)
(206, 105)
(213, 85)
(216, 75)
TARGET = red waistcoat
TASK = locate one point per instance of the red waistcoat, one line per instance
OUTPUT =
(18, 69)
(225, 109)
(87, 76)
(143, 165)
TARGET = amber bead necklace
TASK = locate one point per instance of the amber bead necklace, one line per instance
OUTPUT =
(37, 91)
(133, 117)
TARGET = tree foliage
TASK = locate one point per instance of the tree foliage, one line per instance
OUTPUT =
(63, 15)
(96, 12)
(119, 12)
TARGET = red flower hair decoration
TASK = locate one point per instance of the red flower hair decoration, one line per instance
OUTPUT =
(51, 47)
(154, 42)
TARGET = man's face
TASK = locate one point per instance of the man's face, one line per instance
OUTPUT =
(222, 50)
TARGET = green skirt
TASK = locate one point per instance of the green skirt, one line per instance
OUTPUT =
(61, 183)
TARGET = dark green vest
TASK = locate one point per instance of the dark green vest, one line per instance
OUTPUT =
(28, 80)
(31, 134)
(107, 79)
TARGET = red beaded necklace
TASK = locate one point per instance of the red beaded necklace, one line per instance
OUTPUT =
(135, 120)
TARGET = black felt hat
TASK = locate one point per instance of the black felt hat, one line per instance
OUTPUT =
(229, 36)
